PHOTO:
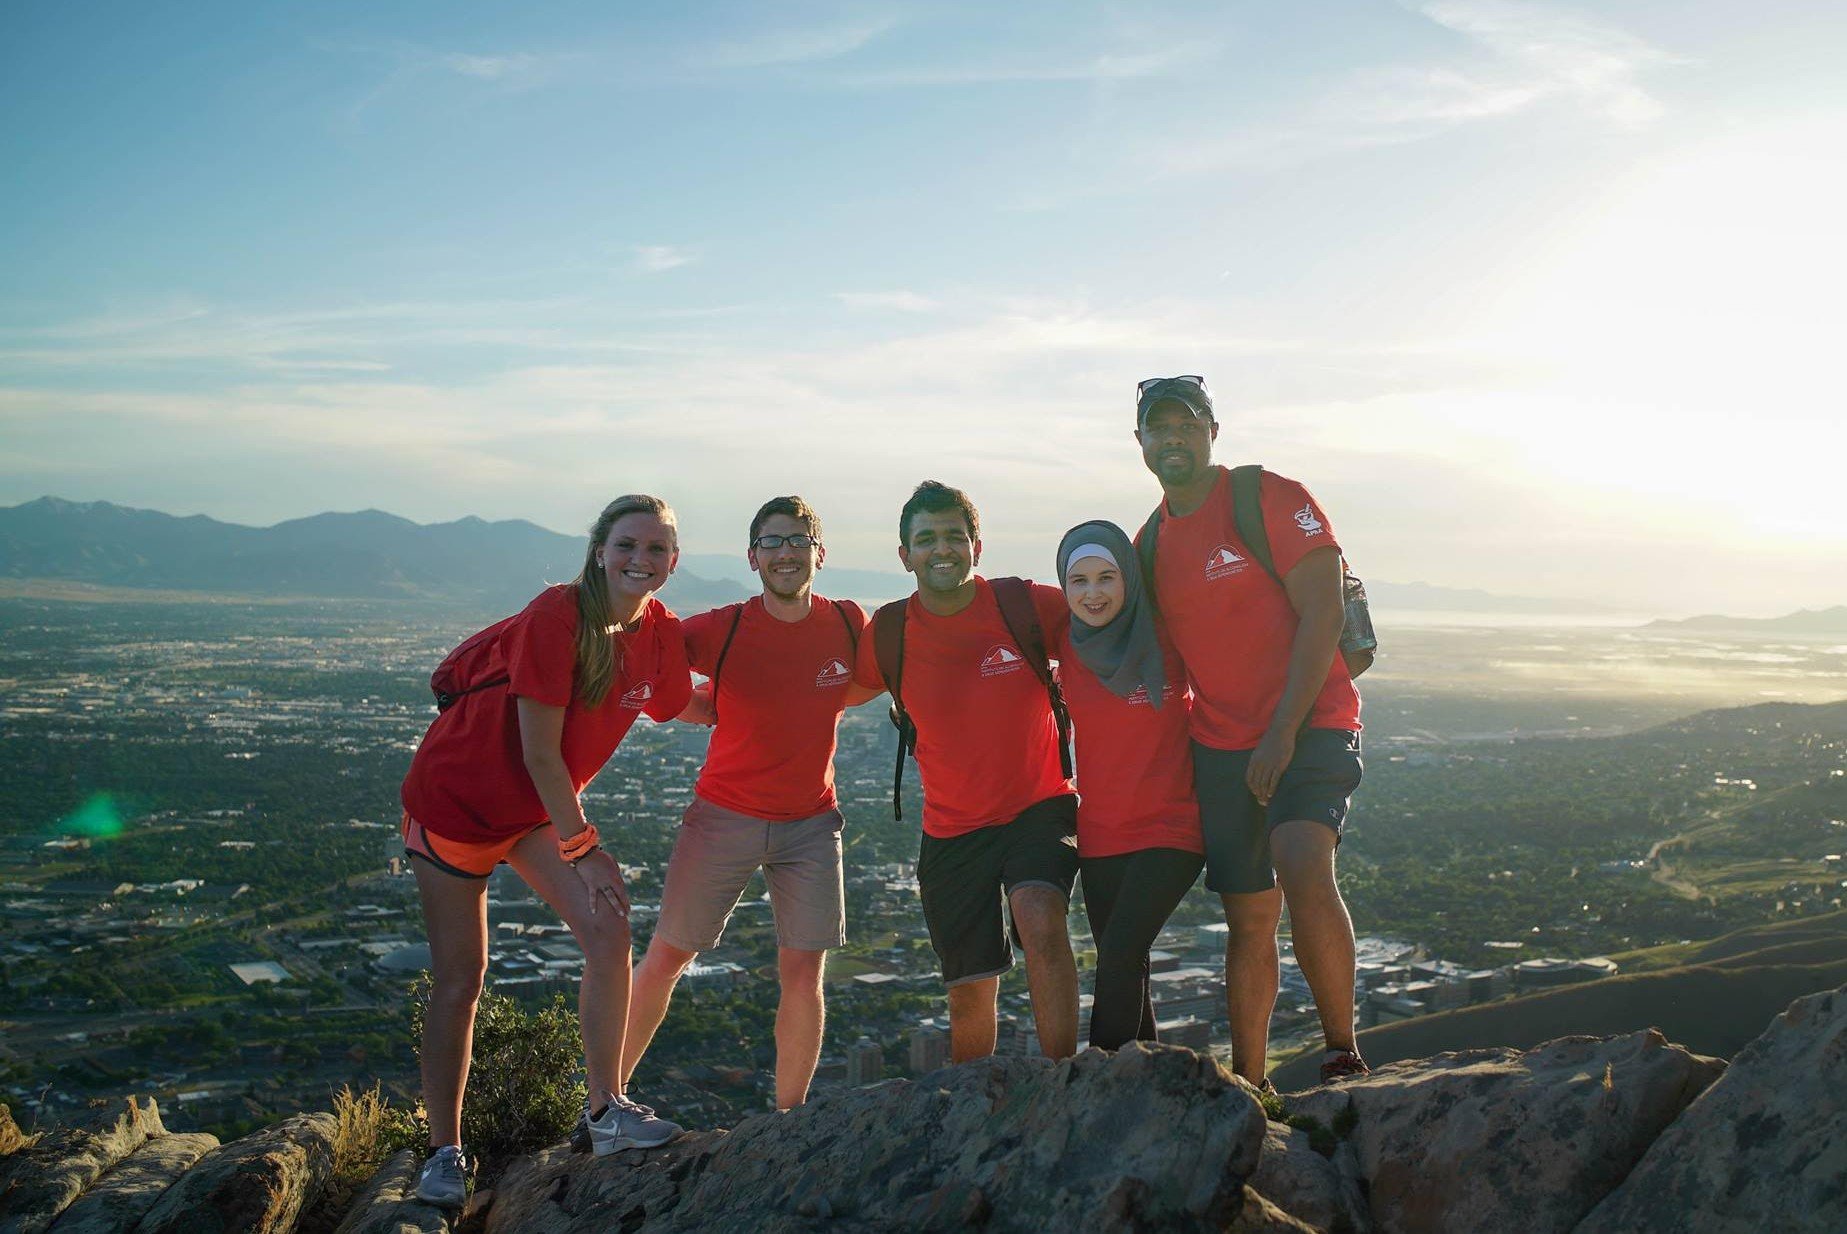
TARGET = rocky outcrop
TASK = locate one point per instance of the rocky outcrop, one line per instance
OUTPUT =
(1765, 1148)
(389, 1203)
(123, 1196)
(259, 1184)
(12, 1139)
(38, 1183)
(1322, 1191)
(1150, 1137)
(1485, 1139)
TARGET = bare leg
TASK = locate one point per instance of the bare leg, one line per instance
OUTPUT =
(455, 918)
(1304, 856)
(1251, 977)
(652, 991)
(801, 1014)
(602, 999)
(973, 1022)
(1051, 969)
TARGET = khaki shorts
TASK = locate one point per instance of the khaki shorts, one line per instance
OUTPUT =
(718, 850)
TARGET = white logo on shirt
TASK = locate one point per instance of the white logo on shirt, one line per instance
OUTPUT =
(638, 695)
(1001, 659)
(1306, 520)
(1222, 562)
(833, 673)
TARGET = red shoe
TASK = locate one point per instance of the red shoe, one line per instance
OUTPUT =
(1342, 1065)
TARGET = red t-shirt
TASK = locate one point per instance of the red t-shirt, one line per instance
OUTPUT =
(780, 696)
(987, 746)
(1134, 763)
(1233, 625)
(468, 780)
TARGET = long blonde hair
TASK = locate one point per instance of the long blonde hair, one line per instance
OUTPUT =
(596, 650)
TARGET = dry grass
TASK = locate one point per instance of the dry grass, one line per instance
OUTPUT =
(12, 1139)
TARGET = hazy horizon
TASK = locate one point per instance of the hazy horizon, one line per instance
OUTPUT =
(1535, 298)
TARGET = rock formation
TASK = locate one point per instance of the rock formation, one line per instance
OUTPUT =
(1593, 1135)
(1765, 1148)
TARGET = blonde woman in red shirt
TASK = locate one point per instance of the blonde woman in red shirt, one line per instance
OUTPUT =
(497, 779)
(1138, 839)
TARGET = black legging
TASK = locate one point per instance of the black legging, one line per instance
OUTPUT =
(1129, 898)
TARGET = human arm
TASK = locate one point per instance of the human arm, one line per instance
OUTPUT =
(541, 739)
(1313, 585)
(699, 707)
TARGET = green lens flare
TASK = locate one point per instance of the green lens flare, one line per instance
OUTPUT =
(99, 818)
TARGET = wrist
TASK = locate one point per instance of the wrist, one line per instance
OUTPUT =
(574, 848)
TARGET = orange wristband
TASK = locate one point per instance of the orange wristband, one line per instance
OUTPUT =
(577, 847)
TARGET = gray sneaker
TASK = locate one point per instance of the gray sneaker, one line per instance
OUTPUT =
(625, 1124)
(444, 1180)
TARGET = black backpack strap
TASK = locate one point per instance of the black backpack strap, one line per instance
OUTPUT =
(444, 701)
(853, 617)
(1015, 597)
(1247, 515)
(1145, 549)
(718, 666)
(888, 647)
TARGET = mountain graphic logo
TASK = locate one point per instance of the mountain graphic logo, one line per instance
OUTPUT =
(833, 673)
(638, 695)
(1001, 659)
(1223, 561)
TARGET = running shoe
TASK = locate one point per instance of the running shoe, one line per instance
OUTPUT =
(1342, 1064)
(626, 1124)
(444, 1180)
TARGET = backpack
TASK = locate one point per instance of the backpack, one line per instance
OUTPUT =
(1358, 645)
(462, 669)
(851, 615)
(1015, 597)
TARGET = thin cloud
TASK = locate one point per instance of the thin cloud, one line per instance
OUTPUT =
(1100, 67)
(654, 258)
(896, 301)
(492, 68)
(807, 45)
(1545, 52)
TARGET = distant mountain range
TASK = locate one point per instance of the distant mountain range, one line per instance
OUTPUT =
(366, 555)
(374, 555)
(1827, 622)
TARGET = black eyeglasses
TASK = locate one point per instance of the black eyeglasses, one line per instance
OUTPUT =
(1191, 379)
(798, 540)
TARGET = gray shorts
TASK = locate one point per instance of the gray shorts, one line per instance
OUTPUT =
(718, 850)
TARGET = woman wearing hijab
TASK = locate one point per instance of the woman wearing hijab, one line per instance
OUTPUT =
(1138, 837)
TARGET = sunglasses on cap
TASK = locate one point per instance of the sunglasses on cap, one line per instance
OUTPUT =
(1190, 379)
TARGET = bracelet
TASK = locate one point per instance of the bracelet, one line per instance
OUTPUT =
(574, 849)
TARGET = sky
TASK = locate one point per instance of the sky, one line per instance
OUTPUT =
(1535, 298)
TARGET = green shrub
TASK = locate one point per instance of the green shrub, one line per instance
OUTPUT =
(523, 1092)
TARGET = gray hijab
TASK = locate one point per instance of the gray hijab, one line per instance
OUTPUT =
(1126, 653)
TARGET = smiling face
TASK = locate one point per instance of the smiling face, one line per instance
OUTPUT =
(1094, 590)
(1176, 444)
(939, 550)
(787, 572)
(637, 555)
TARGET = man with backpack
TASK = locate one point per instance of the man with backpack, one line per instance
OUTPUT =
(780, 669)
(965, 661)
(1250, 581)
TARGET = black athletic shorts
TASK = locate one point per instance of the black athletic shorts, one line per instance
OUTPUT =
(1316, 786)
(965, 879)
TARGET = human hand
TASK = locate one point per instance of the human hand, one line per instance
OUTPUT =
(602, 878)
(1268, 762)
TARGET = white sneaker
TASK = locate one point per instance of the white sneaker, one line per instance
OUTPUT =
(444, 1180)
(625, 1124)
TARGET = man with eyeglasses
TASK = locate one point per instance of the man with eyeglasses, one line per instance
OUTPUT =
(1276, 718)
(779, 669)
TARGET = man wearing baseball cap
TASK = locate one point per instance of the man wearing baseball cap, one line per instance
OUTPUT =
(1276, 719)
